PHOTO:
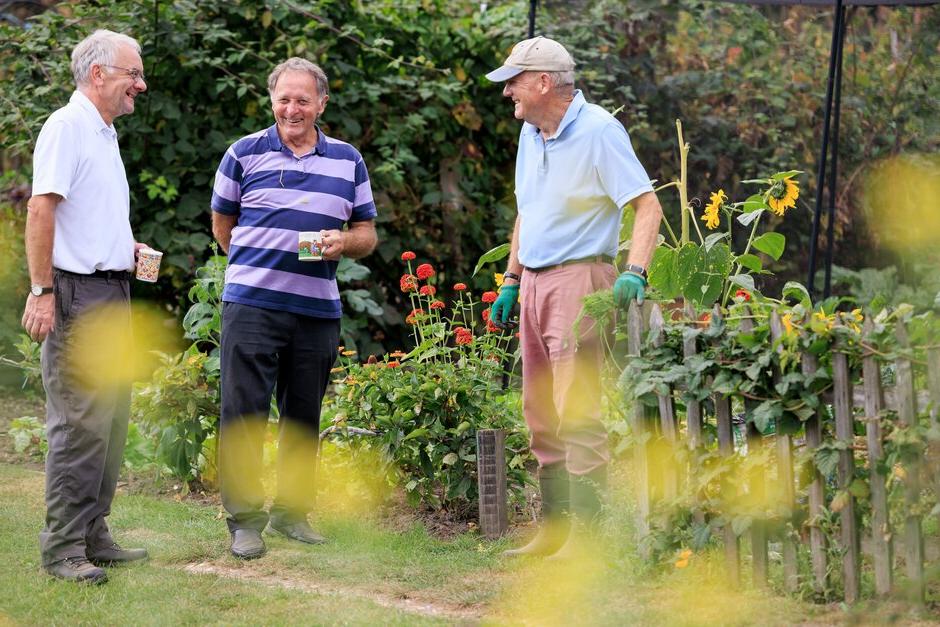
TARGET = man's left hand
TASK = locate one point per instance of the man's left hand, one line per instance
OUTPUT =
(629, 286)
(333, 244)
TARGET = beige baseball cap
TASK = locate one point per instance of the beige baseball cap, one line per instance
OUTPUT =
(539, 53)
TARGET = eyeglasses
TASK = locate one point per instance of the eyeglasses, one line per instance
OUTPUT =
(134, 73)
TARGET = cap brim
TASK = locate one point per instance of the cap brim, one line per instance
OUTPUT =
(504, 73)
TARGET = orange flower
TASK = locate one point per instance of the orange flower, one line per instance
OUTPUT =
(438, 304)
(428, 290)
(485, 314)
(491, 327)
(424, 271)
(393, 364)
(459, 287)
(413, 316)
(488, 297)
(397, 354)
(464, 338)
(408, 282)
(407, 255)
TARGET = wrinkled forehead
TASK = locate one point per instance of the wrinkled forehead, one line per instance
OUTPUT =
(295, 85)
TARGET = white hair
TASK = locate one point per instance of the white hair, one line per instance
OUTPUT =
(99, 48)
(296, 64)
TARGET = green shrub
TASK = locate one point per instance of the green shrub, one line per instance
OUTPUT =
(426, 406)
(29, 436)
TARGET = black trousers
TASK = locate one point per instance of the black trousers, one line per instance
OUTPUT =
(266, 351)
(87, 410)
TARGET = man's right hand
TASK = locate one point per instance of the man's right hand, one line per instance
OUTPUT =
(503, 305)
(39, 316)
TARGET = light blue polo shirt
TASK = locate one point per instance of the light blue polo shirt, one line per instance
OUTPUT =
(571, 189)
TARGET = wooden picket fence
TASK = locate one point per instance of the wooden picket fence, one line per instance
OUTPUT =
(667, 431)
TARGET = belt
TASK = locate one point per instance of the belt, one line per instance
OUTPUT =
(570, 262)
(107, 275)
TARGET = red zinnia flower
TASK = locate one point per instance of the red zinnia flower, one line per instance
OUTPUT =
(428, 290)
(407, 255)
(424, 271)
(743, 294)
(489, 297)
(485, 314)
(393, 364)
(459, 287)
(464, 338)
(438, 304)
(408, 282)
(491, 327)
(413, 316)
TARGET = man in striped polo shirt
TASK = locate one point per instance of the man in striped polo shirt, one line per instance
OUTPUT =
(281, 314)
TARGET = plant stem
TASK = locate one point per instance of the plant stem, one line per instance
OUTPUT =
(737, 269)
(683, 183)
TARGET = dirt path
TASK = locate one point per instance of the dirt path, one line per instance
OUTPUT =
(461, 614)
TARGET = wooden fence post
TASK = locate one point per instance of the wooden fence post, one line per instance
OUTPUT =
(642, 415)
(842, 405)
(693, 416)
(491, 482)
(933, 382)
(666, 446)
(726, 449)
(881, 544)
(757, 488)
(817, 494)
(907, 414)
(786, 485)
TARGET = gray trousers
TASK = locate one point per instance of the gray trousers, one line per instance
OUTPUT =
(87, 410)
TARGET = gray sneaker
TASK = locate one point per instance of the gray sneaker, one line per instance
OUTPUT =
(77, 569)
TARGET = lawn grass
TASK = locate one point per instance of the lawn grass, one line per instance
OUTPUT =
(367, 574)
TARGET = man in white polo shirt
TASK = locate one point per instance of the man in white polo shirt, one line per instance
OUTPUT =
(575, 172)
(81, 252)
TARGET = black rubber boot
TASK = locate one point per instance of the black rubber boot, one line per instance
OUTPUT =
(588, 493)
(554, 484)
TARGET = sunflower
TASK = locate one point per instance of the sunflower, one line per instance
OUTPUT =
(783, 195)
(711, 210)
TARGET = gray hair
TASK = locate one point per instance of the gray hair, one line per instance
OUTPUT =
(296, 64)
(99, 48)
(561, 79)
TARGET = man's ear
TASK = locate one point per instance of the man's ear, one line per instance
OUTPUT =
(545, 83)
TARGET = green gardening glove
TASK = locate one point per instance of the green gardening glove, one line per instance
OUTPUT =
(503, 306)
(629, 286)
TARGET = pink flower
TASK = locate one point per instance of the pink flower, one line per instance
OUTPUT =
(459, 287)
(407, 255)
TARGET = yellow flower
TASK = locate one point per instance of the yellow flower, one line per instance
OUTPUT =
(685, 554)
(787, 321)
(682, 563)
(498, 277)
(711, 210)
(783, 195)
(348, 353)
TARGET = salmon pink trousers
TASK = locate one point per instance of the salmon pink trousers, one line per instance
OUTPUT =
(561, 374)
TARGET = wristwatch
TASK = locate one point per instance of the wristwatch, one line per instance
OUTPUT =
(39, 290)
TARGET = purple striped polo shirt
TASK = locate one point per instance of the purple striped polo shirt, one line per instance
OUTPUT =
(276, 196)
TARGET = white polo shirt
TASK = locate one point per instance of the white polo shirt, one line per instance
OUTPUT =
(77, 157)
(571, 188)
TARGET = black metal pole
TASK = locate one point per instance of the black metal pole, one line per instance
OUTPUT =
(833, 173)
(532, 6)
(824, 150)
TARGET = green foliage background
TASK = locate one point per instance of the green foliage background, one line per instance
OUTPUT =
(408, 90)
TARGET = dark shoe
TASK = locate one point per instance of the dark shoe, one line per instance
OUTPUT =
(554, 484)
(299, 531)
(247, 544)
(588, 493)
(77, 569)
(114, 554)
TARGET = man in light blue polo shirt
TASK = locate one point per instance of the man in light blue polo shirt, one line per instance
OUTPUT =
(575, 172)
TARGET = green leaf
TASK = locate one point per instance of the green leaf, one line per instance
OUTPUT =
(798, 291)
(740, 524)
(765, 414)
(747, 218)
(450, 459)
(826, 460)
(743, 280)
(771, 244)
(417, 433)
(779, 176)
(494, 254)
(753, 203)
(706, 270)
(714, 238)
(662, 272)
(751, 262)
